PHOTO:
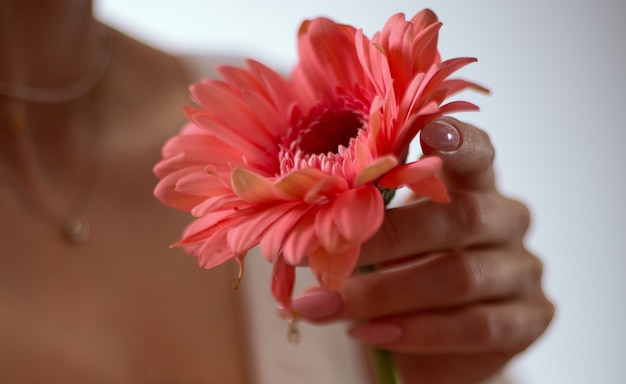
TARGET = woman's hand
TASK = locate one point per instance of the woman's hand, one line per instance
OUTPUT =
(456, 294)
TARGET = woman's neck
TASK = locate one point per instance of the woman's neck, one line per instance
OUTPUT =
(45, 43)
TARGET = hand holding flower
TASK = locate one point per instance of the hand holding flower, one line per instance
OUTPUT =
(458, 294)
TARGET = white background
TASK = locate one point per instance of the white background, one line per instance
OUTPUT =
(557, 72)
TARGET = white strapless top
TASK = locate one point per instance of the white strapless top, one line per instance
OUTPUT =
(324, 355)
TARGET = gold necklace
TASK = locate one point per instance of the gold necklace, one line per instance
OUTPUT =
(74, 227)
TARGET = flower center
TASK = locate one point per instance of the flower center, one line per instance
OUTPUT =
(326, 137)
(327, 131)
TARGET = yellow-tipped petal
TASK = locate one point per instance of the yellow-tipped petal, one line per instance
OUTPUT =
(296, 185)
(375, 170)
(252, 187)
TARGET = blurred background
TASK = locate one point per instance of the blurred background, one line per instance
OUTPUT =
(556, 69)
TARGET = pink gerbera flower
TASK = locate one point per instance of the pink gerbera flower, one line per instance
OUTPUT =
(298, 164)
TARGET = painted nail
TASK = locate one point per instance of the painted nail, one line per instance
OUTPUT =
(376, 333)
(318, 305)
(440, 135)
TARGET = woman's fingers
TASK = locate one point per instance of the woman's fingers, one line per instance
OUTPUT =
(432, 282)
(471, 219)
(507, 326)
(443, 280)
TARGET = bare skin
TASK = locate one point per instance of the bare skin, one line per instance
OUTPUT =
(122, 307)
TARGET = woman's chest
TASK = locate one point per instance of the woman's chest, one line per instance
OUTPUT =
(120, 308)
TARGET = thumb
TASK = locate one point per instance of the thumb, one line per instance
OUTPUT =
(466, 151)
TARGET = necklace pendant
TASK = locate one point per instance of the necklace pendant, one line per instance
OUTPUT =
(75, 230)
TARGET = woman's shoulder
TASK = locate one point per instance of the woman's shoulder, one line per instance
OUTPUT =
(198, 66)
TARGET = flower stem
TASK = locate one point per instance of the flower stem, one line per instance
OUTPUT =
(383, 364)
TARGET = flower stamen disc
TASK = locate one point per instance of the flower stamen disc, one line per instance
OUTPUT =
(329, 131)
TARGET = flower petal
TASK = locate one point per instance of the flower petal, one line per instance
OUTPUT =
(273, 238)
(327, 232)
(246, 235)
(226, 106)
(239, 78)
(457, 106)
(201, 183)
(453, 86)
(236, 139)
(283, 281)
(215, 251)
(327, 55)
(202, 228)
(325, 189)
(419, 177)
(275, 85)
(301, 240)
(191, 150)
(273, 121)
(167, 192)
(412, 173)
(358, 213)
(425, 45)
(333, 269)
(375, 170)
(296, 185)
(372, 58)
(251, 186)
(219, 203)
(432, 188)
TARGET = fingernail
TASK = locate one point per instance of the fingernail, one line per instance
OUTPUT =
(318, 305)
(440, 135)
(376, 333)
